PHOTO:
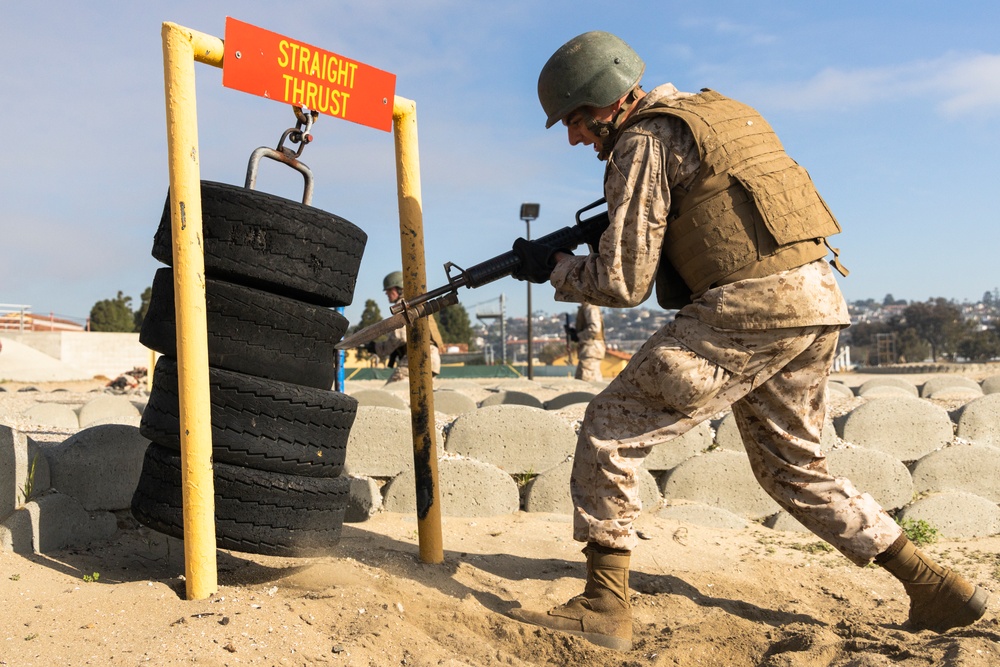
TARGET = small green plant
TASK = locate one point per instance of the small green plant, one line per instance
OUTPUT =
(91, 578)
(812, 547)
(28, 490)
(522, 479)
(918, 531)
(15, 577)
(33, 635)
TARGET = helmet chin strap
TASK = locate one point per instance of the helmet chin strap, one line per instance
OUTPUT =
(607, 131)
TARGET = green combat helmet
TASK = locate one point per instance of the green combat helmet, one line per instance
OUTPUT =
(394, 279)
(593, 69)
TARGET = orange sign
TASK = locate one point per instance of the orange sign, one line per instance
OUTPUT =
(261, 62)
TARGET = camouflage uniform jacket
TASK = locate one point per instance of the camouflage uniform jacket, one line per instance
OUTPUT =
(643, 168)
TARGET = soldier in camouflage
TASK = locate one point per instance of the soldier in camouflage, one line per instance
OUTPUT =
(393, 347)
(706, 206)
(588, 334)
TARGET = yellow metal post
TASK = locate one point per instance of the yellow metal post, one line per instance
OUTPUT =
(181, 48)
(411, 233)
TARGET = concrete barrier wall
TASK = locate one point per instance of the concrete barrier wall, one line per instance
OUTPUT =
(95, 353)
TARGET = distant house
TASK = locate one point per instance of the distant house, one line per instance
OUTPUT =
(21, 321)
(614, 362)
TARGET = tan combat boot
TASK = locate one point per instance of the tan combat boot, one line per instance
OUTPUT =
(602, 614)
(940, 599)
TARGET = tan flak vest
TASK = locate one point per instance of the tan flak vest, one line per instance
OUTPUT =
(751, 210)
(581, 324)
(436, 338)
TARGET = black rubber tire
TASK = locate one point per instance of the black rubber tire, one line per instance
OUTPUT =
(251, 331)
(258, 423)
(255, 511)
(274, 244)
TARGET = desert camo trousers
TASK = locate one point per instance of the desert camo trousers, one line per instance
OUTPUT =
(775, 381)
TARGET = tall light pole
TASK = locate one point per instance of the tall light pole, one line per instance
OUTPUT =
(529, 212)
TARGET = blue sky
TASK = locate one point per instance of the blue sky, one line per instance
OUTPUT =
(893, 107)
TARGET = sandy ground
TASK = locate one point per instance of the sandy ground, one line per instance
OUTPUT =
(700, 596)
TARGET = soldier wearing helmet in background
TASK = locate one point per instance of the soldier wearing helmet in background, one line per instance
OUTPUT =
(393, 348)
(706, 206)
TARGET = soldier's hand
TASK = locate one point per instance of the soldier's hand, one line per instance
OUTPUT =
(571, 332)
(537, 260)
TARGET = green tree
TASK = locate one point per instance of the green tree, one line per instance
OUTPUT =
(911, 347)
(938, 322)
(454, 324)
(550, 352)
(862, 337)
(140, 314)
(113, 315)
(369, 316)
(980, 346)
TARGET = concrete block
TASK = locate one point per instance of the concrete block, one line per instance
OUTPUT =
(54, 521)
(574, 412)
(365, 499)
(785, 522)
(940, 382)
(17, 534)
(700, 514)
(979, 420)
(956, 515)
(905, 427)
(380, 443)
(515, 438)
(668, 455)
(23, 468)
(380, 398)
(991, 385)
(885, 390)
(99, 466)
(469, 488)
(470, 388)
(963, 394)
(109, 409)
(549, 491)
(569, 398)
(512, 397)
(571, 384)
(887, 383)
(53, 415)
(727, 435)
(523, 385)
(970, 468)
(452, 402)
(879, 474)
(719, 478)
(838, 390)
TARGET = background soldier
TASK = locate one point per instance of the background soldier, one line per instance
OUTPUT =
(393, 348)
(705, 203)
(588, 334)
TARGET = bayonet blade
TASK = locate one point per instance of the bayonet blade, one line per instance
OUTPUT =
(370, 333)
(400, 319)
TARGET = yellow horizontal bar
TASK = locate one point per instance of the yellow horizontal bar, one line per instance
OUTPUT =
(207, 49)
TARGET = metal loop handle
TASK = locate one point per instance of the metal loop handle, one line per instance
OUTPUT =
(299, 135)
(284, 158)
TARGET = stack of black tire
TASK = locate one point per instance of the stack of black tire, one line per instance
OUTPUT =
(274, 268)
